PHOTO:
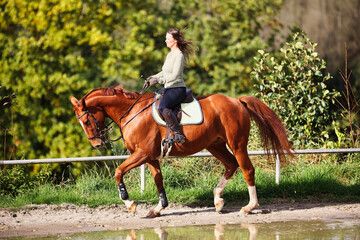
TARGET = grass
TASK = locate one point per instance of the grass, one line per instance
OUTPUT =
(191, 181)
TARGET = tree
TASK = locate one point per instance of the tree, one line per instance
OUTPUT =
(228, 37)
(294, 85)
(50, 50)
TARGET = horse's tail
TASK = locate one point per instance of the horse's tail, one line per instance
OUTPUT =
(272, 131)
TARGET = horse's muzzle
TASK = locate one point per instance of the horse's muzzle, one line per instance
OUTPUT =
(97, 142)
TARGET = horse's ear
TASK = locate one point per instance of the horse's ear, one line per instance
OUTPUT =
(74, 101)
(78, 104)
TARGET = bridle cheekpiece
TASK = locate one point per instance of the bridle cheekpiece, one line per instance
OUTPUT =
(97, 129)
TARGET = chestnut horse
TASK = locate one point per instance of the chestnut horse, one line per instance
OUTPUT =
(226, 123)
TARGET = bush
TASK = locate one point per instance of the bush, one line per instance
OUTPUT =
(17, 179)
(293, 84)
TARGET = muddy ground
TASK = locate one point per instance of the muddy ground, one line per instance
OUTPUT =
(67, 218)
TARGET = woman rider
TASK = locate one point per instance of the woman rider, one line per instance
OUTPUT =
(172, 78)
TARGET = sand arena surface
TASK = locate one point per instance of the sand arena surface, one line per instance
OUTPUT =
(67, 218)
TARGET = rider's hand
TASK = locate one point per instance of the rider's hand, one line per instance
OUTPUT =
(152, 81)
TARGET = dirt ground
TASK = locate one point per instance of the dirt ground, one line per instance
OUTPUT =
(67, 218)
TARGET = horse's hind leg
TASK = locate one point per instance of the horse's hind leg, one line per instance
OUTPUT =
(154, 167)
(219, 150)
(249, 175)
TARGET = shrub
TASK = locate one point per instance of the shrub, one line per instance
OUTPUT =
(293, 84)
(17, 179)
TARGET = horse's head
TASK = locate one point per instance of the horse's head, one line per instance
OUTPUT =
(92, 120)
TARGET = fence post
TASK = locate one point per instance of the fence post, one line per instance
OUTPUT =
(142, 174)
(277, 169)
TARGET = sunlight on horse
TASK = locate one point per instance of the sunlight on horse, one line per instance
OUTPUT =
(226, 123)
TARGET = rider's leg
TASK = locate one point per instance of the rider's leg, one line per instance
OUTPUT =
(173, 124)
(171, 98)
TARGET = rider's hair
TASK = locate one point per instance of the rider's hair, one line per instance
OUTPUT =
(186, 47)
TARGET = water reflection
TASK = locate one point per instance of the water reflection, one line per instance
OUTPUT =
(162, 234)
(219, 231)
(278, 231)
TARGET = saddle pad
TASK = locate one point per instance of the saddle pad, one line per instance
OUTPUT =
(192, 113)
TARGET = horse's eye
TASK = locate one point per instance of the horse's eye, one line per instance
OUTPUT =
(87, 122)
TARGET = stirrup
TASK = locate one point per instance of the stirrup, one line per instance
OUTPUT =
(166, 145)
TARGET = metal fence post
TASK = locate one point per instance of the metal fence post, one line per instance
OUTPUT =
(277, 177)
(142, 174)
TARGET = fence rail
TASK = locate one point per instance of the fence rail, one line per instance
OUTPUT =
(200, 154)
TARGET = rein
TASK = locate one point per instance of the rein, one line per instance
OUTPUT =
(149, 105)
(132, 118)
(107, 128)
(146, 86)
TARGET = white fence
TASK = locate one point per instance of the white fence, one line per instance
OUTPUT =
(200, 154)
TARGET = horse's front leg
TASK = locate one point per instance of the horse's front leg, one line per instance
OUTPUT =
(154, 167)
(136, 159)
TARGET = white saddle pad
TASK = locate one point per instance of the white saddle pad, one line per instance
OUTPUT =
(191, 115)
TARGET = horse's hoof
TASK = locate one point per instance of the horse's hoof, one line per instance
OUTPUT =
(245, 211)
(248, 208)
(153, 214)
(219, 205)
(132, 208)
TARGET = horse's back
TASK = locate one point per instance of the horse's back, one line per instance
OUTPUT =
(224, 113)
(220, 103)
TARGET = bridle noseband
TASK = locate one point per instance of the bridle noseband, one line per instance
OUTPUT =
(97, 129)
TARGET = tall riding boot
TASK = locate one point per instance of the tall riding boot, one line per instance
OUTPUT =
(173, 124)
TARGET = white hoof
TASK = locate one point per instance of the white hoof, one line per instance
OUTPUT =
(130, 204)
(248, 208)
(219, 204)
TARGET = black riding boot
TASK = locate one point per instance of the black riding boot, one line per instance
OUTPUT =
(173, 124)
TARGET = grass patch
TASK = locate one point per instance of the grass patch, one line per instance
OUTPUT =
(192, 180)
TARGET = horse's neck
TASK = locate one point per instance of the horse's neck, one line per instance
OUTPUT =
(118, 107)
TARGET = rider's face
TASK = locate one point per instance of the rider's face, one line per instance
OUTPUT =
(170, 41)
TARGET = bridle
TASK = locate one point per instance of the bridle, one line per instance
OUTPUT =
(108, 127)
(97, 129)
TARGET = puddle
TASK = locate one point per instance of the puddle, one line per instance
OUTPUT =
(281, 230)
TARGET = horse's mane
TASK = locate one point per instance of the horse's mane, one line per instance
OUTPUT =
(111, 91)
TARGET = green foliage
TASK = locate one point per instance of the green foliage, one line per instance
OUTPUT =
(293, 84)
(16, 179)
(227, 33)
(50, 50)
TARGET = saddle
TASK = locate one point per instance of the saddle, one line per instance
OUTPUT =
(188, 112)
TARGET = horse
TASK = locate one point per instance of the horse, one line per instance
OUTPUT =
(226, 122)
